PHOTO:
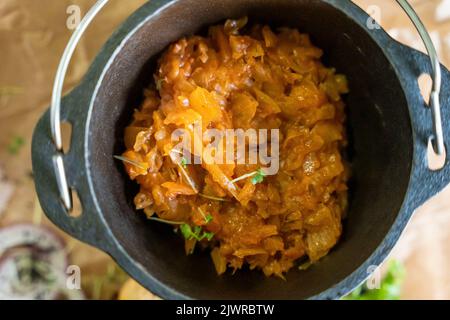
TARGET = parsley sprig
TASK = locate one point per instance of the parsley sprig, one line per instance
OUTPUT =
(187, 231)
(183, 162)
(196, 233)
(207, 217)
(257, 176)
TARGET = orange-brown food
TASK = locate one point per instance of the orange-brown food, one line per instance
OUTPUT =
(242, 77)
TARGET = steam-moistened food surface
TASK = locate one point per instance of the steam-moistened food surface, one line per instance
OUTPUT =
(244, 77)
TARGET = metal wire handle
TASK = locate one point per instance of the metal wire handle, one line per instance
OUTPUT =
(55, 120)
(55, 109)
(437, 139)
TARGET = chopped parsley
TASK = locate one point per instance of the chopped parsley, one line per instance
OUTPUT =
(208, 218)
(183, 162)
(258, 177)
(187, 231)
(196, 233)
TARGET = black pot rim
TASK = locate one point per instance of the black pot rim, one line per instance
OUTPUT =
(408, 64)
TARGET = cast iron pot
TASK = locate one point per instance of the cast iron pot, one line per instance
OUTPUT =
(388, 122)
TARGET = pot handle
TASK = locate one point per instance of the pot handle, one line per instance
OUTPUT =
(88, 226)
(426, 183)
(53, 184)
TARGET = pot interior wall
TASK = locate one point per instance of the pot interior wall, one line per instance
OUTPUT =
(380, 150)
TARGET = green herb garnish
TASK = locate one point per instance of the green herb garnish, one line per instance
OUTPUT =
(257, 176)
(390, 287)
(208, 235)
(209, 218)
(196, 233)
(183, 162)
(183, 169)
(15, 145)
(187, 231)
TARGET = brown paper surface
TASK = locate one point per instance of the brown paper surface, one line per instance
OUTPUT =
(33, 35)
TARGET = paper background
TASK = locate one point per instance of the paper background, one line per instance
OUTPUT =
(33, 35)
